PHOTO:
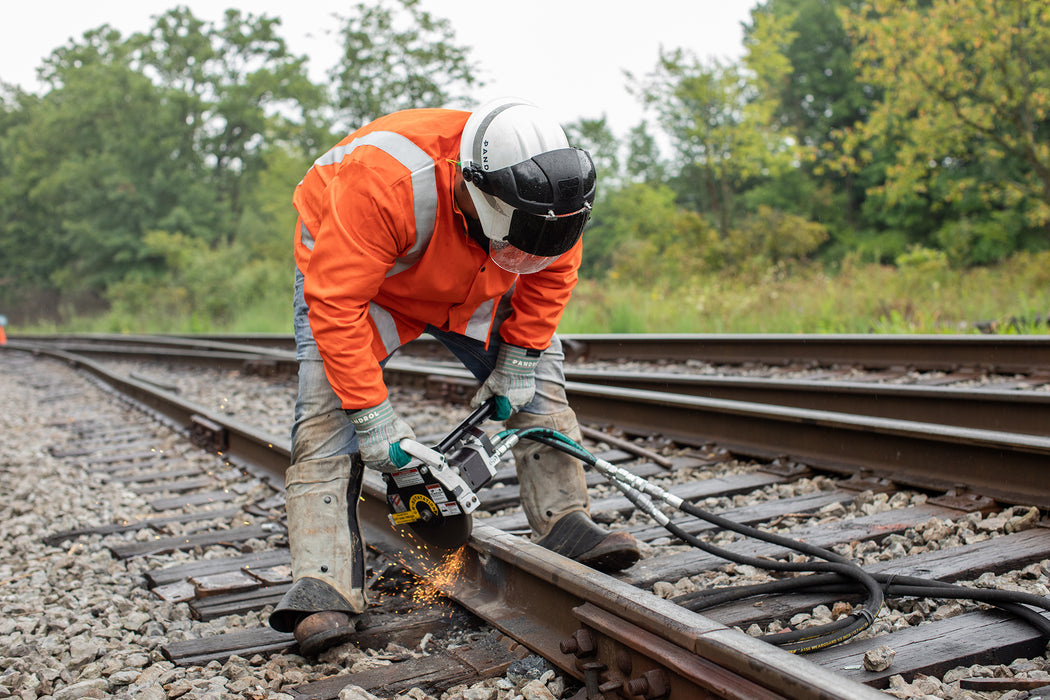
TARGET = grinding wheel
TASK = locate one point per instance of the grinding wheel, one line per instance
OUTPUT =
(430, 513)
(452, 533)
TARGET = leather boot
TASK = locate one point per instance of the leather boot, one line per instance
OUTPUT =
(328, 563)
(554, 498)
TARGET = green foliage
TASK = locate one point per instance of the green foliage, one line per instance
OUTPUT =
(860, 298)
(91, 171)
(770, 236)
(167, 130)
(878, 246)
(966, 90)
(644, 162)
(238, 91)
(803, 56)
(209, 287)
(902, 145)
(803, 59)
(968, 242)
(640, 230)
(266, 226)
(396, 55)
(921, 262)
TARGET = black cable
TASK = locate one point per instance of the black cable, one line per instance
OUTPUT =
(815, 637)
(829, 576)
(1014, 602)
(820, 636)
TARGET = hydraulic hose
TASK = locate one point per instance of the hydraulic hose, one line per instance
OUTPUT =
(1013, 602)
(640, 492)
(828, 576)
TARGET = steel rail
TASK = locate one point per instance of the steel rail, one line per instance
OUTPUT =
(201, 343)
(1005, 465)
(992, 353)
(948, 352)
(997, 353)
(606, 633)
(157, 349)
(1020, 353)
(991, 409)
(1011, 411)
(986, 409)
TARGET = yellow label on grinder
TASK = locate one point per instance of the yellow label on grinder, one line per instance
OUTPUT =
(412, 514)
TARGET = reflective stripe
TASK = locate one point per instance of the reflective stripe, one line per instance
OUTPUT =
(386, 327)
(424, 202)
(305, 236)
(480, 322)
(477, 152)
(424, 185)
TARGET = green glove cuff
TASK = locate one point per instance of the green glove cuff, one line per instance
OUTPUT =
(398, 457)
(502, 410)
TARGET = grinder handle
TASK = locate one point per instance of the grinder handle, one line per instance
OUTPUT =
(481, 413)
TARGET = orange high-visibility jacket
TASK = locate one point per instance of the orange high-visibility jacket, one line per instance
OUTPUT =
(384, 252)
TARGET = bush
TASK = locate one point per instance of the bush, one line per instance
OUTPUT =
(771, 236)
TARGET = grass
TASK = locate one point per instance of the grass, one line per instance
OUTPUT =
(924, 297)
(1014, 297)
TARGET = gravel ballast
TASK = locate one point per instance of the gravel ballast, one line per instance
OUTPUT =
(77, 623)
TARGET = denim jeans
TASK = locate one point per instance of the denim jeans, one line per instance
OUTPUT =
(321, 428)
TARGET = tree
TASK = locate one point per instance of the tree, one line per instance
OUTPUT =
(595, 137)
(769, 236)
(239, 91)
(165, 133)
(88, 170)
(719, 129)
(802, 59)
(966, 93)
(644, 161)
(398, 56)
(639, 231)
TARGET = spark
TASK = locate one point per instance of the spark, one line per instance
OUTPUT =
(441, 581)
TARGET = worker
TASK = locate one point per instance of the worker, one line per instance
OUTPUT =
(3, 331)
(466, 226)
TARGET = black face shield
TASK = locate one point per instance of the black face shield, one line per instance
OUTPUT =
(551, 195)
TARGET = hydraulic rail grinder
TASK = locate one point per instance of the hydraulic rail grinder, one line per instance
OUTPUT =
(435, 493)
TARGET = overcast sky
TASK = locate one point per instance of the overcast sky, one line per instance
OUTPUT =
(568, 56)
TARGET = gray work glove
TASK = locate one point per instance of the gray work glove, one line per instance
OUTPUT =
(379, 430)
(512, 382)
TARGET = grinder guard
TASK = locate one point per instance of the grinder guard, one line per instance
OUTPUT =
(434, 494)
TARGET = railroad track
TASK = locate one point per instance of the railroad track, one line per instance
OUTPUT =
(614, 633)
(957, 354)
(950, 380)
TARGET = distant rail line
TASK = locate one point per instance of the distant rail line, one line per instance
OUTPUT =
(952, 353)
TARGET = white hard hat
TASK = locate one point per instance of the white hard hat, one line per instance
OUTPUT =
(532, 191)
